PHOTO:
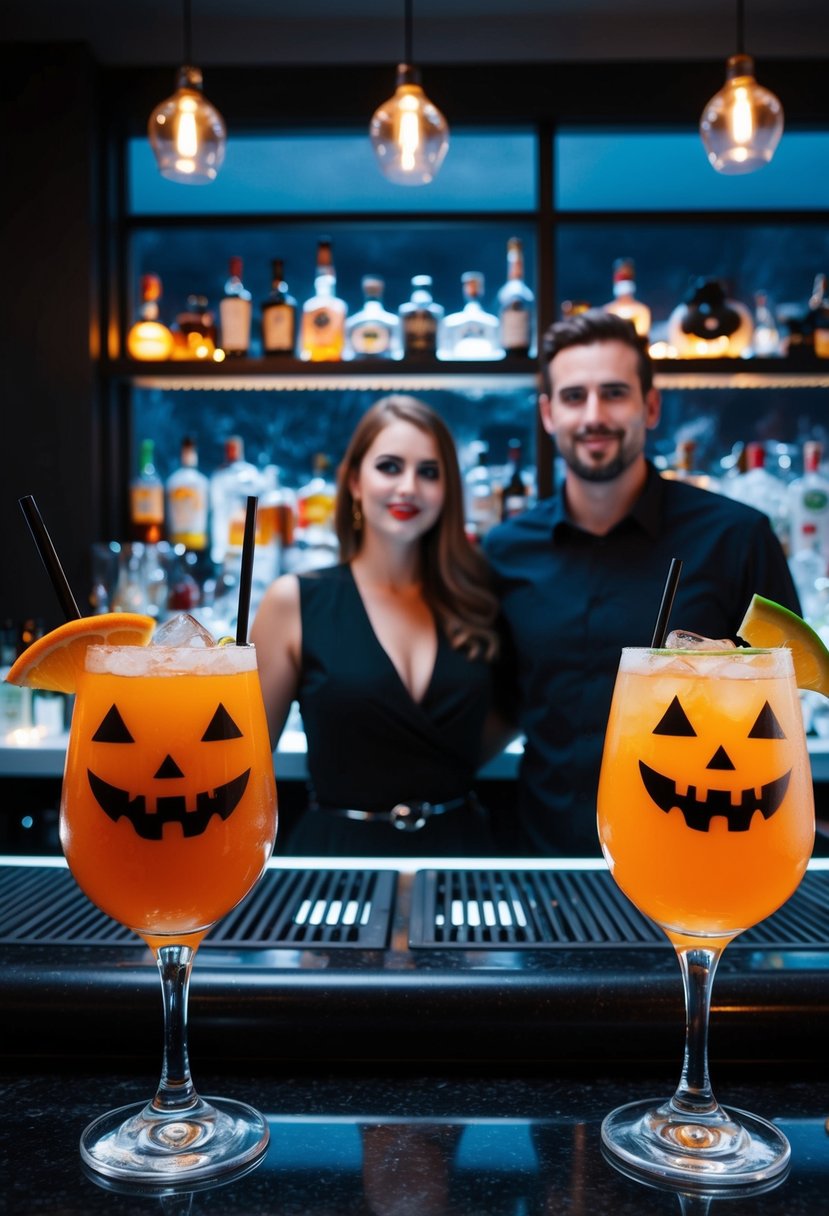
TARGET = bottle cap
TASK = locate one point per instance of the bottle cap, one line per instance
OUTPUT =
(236, 268)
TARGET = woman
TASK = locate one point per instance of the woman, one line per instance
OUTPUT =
(389, 652)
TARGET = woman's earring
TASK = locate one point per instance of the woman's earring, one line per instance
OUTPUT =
(356, 516)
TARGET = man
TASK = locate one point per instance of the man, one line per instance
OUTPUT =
(581, 574)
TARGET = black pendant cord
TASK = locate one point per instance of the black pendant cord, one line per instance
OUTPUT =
(740, 27)
(188, 30)
(407, 31)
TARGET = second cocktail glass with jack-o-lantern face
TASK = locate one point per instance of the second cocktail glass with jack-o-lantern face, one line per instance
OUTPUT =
(168, 817)
(706, 820)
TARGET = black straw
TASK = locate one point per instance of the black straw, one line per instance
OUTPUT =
(49, 557)
(246, 575)
(667, 604)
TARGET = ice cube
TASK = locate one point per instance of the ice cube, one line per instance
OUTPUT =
(183, 630)
(682, 639)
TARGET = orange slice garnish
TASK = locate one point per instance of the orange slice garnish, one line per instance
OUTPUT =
(54, 661)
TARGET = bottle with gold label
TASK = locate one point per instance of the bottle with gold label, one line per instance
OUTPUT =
(147, 499)
(322, 331)
(187, 497)
(624, 302)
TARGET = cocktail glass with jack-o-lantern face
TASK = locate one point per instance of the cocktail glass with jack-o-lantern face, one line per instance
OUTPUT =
(168, 816)
(706, 820)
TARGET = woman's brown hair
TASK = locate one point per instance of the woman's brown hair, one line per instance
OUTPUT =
(456, 580)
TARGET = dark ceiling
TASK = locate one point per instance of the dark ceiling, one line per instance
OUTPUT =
(145, 32)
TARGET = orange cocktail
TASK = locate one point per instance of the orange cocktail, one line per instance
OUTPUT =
(705, 802)
(168, 812)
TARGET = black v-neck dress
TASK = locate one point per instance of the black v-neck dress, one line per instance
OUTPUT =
(371, 745)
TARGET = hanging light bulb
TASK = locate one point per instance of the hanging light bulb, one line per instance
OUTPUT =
(186, 132)
(409, 134)
(741, 125)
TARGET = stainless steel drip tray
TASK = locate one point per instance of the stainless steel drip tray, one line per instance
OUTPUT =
(380, 962)
(492, 909)
(296, 909)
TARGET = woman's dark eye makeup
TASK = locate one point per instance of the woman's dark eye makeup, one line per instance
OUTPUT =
(392, 465)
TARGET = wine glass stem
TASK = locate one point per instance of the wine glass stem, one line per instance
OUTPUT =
(176, 1091)
(694, 1095)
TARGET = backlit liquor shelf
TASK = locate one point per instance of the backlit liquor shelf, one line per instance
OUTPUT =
(294, 375)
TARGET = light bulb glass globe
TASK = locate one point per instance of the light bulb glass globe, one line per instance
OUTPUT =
(187, 133)
(409, 134)
(742, 124)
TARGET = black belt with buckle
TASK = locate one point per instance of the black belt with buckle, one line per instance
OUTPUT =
(408, 816)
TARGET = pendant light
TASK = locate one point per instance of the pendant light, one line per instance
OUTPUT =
(742, 124)
(409, 134)
(187, 133)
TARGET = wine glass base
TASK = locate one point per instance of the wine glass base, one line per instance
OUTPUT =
(731, 1148)
(137, 1143)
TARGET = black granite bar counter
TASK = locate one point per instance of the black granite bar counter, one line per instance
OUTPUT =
(405, 1145)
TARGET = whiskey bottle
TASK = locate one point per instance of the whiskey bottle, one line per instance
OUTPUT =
(322, 331)
(187, 497)
(624, 302)
(195, 334)
(147, 499)
(514, 497)
(515, 304)
(373, 332)
(471, 333)
(421, 320)
(235, 311)
(148, 339)
(279, 315)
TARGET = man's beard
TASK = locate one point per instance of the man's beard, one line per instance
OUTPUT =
(601, 472)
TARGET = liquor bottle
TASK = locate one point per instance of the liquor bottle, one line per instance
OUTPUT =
(279, 315)
(147, 499)
(761, 489)
(148, 339)
(516, 304)
(819, 312)
(481, 494)
(684, 467)
(230, 486)
(624, 302)
(187, 499)
(807, 563)
(809, 501)
(195, 335)
(373, 332)
(766, 340)
(514, 495)
(315, 500)
(471, 333)
(421, 320)
(235, 312)
(707, 325)
(322, 331)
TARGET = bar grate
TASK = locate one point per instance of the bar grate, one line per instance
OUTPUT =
(296, 908)
(519, 909)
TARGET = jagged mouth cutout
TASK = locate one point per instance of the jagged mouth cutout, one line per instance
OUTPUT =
(149, 823)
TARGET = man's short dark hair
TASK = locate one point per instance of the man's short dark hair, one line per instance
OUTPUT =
(595, 325)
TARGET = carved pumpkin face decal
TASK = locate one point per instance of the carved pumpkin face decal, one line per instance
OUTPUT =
(713, 795)
(192, 808)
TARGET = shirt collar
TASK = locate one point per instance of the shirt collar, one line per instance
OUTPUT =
(645, 513)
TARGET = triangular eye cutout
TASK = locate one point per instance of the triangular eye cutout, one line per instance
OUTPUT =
(113, 729)
(766, 726)
(221, 726)
(674, 721)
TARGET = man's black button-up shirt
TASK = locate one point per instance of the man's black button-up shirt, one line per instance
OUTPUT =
(571, 600)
